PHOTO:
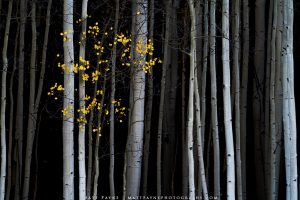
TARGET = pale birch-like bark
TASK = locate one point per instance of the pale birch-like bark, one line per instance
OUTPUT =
(201, 171)
(244, 93)
(82, 125)
(3, 177)
(204, 71)
(190, 112)
(227, 103)
(289, 115)
(162, 97)
(99, 131)
(68, 103)
(112, 108)
(149, 104)
(134, 149)
(214, 113)
(31, 106)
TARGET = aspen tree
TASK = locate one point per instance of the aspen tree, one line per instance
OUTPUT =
(190, 112)
(289, 115)
(112, 107)
(244, 92)
(236, 97)
(227, 103)
(3, 104)
(134, 147)
(201, 172)
(162, 97)
(214, 114)
(31, 106)
(68, 102)
(82, 124)
(20, 101)
(149, 104)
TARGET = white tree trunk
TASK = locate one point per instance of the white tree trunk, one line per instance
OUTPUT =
(227, 103)
(68, 103)
(112, 108)
(200, 148)
(289, 115)
(3, 103)
(82, 125)
(135, 138)
(214, 105)
(190, 112)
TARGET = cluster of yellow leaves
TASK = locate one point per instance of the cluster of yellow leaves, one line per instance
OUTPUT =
(67, 111)
(94, 30)
(66, 36)
(54, 88)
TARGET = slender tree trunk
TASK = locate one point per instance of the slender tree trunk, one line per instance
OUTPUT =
(244, 94)
(112, 107)
(237, 117)
(68, 103)
(11, 119)
(162, 97)
(201, 172)
(148, 115)
(3, 104)
(19, 112)
(272, 46)
(31, 106)
(190, 112)
(289, 115)
(204, 71)
(227, 103)
(183, 120)
(214, 105)
(82, 117)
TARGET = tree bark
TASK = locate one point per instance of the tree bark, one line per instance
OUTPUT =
(68, 102)
(3, 169)
(227, 103)
(214, 105)
(31, 115)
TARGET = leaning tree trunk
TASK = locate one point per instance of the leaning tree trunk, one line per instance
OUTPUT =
(227, 103)
(289, 115)
(134, 148)
(31, 106)
(190, 112)
(68, 102)
(3, 103)
(214, 105)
